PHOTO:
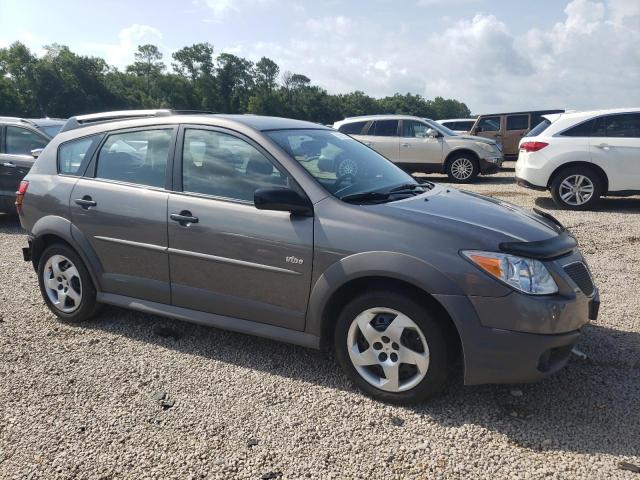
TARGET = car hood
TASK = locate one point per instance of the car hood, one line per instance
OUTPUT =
(472, 215)
(473, 138)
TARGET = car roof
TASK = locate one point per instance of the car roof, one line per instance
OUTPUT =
(132, 119)
(381, 116)
(456, 120)
(580, 114)
(523, 112)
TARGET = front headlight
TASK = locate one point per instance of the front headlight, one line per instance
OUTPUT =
(487, 147)
(524, 274)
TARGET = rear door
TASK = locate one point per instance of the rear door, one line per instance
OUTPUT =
(418, 148)
(516, 127)
(16, 160)
(615, 146)
(383, 137)
(232, 259)
(120, 207)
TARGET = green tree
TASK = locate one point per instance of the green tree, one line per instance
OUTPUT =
(148, 64)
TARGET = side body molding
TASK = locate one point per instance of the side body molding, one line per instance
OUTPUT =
(374, 264)
(63, 228)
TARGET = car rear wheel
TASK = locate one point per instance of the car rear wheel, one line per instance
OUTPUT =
(391, 347)
(66, 285)
(462, 168)
(576, 188)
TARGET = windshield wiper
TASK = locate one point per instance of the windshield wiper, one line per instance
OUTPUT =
(406, 187)
(366, 196)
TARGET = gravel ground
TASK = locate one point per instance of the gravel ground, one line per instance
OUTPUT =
(137, 396)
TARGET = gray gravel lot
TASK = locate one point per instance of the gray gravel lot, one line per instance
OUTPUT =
(77, 401)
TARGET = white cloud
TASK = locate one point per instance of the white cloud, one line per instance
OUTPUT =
(122, 53)
(338, 25)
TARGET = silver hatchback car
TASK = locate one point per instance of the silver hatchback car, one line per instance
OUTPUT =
(245, 223)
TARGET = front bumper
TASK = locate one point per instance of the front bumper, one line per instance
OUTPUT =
(503, 355)
(489, 165)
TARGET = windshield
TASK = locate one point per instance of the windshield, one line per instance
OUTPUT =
(51, 130)
(438, 127)
(343, 166)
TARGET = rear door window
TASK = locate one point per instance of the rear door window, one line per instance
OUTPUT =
(517, 122)
(384, 128)
(138, 157)
(20, 141)
(354, 128)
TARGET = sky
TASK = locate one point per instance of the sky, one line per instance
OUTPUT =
(494, 55)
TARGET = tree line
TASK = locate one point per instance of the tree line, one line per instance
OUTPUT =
(61, 83)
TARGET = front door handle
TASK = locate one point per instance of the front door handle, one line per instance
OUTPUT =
(9, 164)
(406, 145)
(604, 146)
(368, 144)
(85, 202)
(184, 218)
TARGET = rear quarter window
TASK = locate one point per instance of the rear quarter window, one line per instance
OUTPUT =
(75, 153)
(353, 128)
(581, 130)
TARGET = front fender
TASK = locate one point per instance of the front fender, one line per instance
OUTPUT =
(391, 265)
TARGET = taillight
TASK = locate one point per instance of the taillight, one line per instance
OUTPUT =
(533, 146)
(22, 189)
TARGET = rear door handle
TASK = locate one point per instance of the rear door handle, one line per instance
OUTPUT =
(85, 202)
(406, 145)
(368, 144)
(9, 164)
(604, 146)
(184, 218)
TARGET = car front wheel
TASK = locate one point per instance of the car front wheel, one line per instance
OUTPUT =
(391, 347)
(462, 168)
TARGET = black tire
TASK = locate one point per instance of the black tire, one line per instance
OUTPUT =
(567, 173)
(453, 170)
(88, 306)
(438, 366)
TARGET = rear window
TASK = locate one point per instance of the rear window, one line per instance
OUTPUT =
(353, 128)
(539, 128)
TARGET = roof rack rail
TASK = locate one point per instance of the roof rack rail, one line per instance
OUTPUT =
(104, 117)
(16, 120)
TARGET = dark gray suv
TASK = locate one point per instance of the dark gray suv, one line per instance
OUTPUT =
(243, 223)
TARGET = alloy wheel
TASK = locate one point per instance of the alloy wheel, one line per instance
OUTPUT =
(388, 349)
(62, 283)
(576, 190)
(462, 168)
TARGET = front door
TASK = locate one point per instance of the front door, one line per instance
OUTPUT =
(226, 256)
(489, 127)
(121, 210)
(516, 127)
(615, 146)
(416, 147)
(16, 160)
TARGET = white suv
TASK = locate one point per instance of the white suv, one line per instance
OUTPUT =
(580, 156)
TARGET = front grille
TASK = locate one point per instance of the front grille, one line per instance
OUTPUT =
(580, 275)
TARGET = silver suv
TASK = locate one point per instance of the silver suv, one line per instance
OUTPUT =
(422, 145)
(244, 223)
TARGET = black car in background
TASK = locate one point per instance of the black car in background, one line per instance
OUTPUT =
(20, 142)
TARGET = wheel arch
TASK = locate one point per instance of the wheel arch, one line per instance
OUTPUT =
(455, 153)
(53, 229)
(584, 164)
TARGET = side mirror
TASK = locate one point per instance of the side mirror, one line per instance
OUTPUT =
(283, 200)
(432, 133)
(35, 153)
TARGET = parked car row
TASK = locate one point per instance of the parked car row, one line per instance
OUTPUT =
(297, 232)
(20, 139)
